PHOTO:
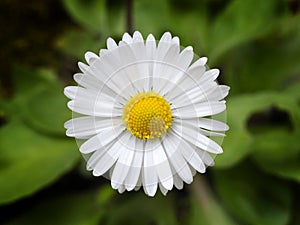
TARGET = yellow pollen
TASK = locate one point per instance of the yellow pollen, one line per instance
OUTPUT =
(147, 115)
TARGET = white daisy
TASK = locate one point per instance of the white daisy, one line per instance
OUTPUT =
(146, 113)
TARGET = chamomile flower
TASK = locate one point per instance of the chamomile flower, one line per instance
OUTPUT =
(145, 113)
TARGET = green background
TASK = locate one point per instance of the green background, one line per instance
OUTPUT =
(255, 43)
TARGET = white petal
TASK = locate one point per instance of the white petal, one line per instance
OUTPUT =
(140, 71)
(139, 52)
(150, 51)
(83, 67)
(121, 189)
(90, 57)
(100, 140)
(165, 68)
(218, 93)
(189, 154)
(99, 108)
(103, 52)
(150, 46)
(196, 72)
(162, 53)
(193, 136)
(186, 82)
(195, 78)
(171, 144)
(133, 66)
(212, 124)
(106, 66)
(126, 54)
(92, 102)
(139, 182)
(134, 172)
(178, 183)
(200, 62)
(176, 41)
(193, 170)
(111, 68)
(105, 163)
(87, 81)
(210, 75)
(150, 178)
(163, 190)
(137, 37)
(127, 38)
(94, 158)
(71, 91)
(192, 157)
(166, 37)
(177, 71)
(200, 110)
(111, 44)
(206, 157)
(123, 164)
(211, 133)
(91, 82)
(206, 92)
(162, 167)
(162, 49)
(75, 92)
(196, 126)
(86, 126)
(110, 156)
(185, 58)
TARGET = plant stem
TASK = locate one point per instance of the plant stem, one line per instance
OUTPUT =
(201, 190)
(213, 212)
(129, 9)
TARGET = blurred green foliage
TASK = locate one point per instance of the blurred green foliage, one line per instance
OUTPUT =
(255, 181)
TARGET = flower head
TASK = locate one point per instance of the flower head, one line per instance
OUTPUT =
(146, 113)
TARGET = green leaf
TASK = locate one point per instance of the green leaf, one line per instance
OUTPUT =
(30, 161)
(254, 197)
(84, 41)
(25, 79)
(289, 102)
(280, 144)
(266, 64)
(241, 22)
(41, 104)
(188, 34)
(75, 209)
(47, 110)
(277, 151)
(238, 140)
(90, 14)
(288, 169)
(293, 91)
(151, 16)
(275, 146)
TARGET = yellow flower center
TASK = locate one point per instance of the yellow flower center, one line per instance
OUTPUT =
(147, 115)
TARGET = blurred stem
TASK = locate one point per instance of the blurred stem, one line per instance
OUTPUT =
(202, 191)
(129, 9)
(214, 213)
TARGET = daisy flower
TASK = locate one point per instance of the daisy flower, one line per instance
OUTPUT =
(145, 113)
